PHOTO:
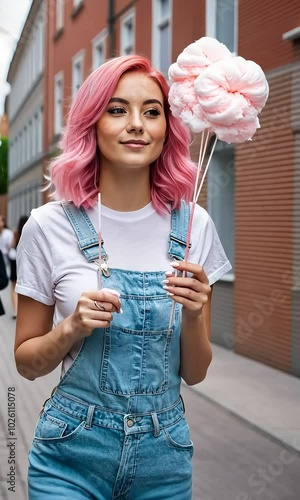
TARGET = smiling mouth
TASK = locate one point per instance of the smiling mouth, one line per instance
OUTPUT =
(135, 143)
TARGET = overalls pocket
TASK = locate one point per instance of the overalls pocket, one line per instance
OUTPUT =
(178, 436)
(56, 426)
(135, 361)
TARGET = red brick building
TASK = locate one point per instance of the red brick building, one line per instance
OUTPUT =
(251, 191)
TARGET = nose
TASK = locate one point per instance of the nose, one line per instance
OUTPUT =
(135, 124)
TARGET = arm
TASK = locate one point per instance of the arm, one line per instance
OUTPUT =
(13, 241)
(39, 349)
(195, 296)
(195, 352)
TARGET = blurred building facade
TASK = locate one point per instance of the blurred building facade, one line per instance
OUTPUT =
(251, 189)
(26, 112)
(3, 126)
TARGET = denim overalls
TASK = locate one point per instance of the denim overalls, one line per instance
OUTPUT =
(114, 428)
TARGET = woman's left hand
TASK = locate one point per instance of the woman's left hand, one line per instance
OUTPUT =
(193, 293)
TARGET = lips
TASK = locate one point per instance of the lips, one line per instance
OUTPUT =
(138, 142)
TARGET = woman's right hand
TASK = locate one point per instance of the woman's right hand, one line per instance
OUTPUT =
(94, 310)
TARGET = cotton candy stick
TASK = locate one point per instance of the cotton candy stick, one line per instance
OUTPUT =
(199, 180)
(99, 272)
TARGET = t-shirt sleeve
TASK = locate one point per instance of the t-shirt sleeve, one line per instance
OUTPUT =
(212, 255)
(35, 264)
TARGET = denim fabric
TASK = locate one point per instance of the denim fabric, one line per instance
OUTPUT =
(114, 427)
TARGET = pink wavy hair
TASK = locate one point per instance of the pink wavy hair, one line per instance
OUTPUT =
(75, 172)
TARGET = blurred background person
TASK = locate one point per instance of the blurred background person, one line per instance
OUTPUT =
(3, 280)
(6, 237)
(12, 254)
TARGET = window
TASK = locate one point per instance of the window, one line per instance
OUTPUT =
(25, 137)
(220, 196)
(40, 130)
(161, 48)
(98, 50)
(35, 134)
(29, 152)
(127, 33)
(59, 14)
(58, 103)
(77, 73)
(21, 150)
(222, 21)
(40, 36)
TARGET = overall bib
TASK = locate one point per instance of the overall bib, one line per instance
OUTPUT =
(114, 428)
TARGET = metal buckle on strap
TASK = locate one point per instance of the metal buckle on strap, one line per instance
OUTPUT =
(182, 242)
(85, 247)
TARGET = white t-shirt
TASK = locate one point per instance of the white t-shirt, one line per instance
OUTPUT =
(52, 270)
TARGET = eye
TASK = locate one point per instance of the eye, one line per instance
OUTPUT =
(152, 112)
(117, 110)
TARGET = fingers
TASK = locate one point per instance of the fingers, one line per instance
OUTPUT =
(106, 300)
(192, 292)
(95, 310)
(99, 305)
(104, 306)
(189, 267)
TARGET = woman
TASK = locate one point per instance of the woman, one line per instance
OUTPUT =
(6, 236)
(3, 280)
(13, 265)
(114, 427)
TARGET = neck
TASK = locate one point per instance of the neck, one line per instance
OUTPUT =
(126, 191)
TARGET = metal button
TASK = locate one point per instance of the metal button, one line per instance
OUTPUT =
(130, 422)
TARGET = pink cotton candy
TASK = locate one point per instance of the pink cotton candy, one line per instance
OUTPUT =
(184, 104)
(214, 90)
(176, 74)
(231, 93)
(196, 57)
(203, 52)
(235, 79)
(239, 132)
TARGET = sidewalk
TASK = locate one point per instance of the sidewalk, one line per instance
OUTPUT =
(266, 398)
(20, 403)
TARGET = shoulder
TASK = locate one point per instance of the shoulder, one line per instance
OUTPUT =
(201, 213)
(51, 209)
(201, 219)
(46, 223)
(49, 215)
(204, 233)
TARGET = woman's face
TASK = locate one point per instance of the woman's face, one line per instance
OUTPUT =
(132, 130)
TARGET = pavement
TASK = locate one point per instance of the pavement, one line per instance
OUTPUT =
(266, 398)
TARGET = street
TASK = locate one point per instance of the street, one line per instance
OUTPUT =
(232, 460)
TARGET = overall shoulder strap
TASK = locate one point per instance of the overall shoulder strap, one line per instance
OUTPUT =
(86, 234)
(179, 227)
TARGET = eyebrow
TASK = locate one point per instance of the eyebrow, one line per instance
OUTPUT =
(124, 101)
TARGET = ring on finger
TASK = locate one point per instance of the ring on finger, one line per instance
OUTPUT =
(99, 305)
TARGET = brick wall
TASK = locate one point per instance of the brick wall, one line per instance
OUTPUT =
(263, 224)
(260, 30)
